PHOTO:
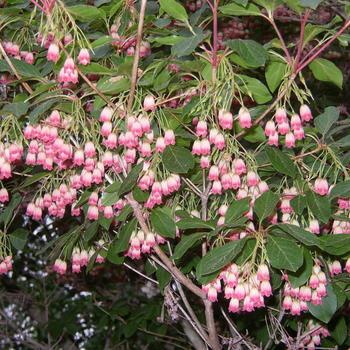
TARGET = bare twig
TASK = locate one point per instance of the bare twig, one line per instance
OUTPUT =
(25, 85)
(137, 54)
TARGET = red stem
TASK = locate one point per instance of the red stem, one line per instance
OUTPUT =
(301, 40)
(39, 6)
(318, 52)
(280, 37)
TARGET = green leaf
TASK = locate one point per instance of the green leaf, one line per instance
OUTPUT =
(274, 74)
(33, 179)
(326, 310)
(83, 198)
(114, 187)
(298, 204)
(178, 160)
(187, 45)
(124, 213)
(303, 274)
(325, 121)
(16, 108)
(311, 31)
(218, 258)
(85, 13)
(319, 205)
(335, 244)
(7, 213)
(163, 277)
(325, 70)
(95, 68)
(40, 110)
(186, 243)
(131, 179)
(121, 243)
(265, 205)
(233, 9)
(340, 331)
(104, 222)
(246, 251)
(163, 223)
(270, 5)
(162, 80)
(281, 162)
(236, 210)
(307, 238)
(113, 85)
(24, 69)
(91, 231)
(193, 223)
(341, 189)
(174, 9)
(109, 199)
(167, 40)
(310, 3)
(284, 253)
(19, 238)
(253, 53)
(256, 88)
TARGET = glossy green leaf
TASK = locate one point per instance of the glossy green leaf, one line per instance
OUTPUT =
(178, 160)
(163, 223)
(187, 45)
(253, 53)
(16, 108)
(19, 238)
(186, 243)
(193, 223)
(319, 205)
(257, 89)
(339, 331)
(337, 245)
(131, 179)
(313, 4)
(341, 189)
(85, 13)
(306, 237)
(174, 9)
(326, 120)
(274, 74)
(236, 210)
(265, 205)
(302, 275)
(281, 161)
(284, 253)
(234, 9)
(218, 258)
(298, 204)
(326, 310)
(7, 213)
(327, 71)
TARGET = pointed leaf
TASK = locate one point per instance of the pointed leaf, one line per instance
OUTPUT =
(284, 253)
(265, 205)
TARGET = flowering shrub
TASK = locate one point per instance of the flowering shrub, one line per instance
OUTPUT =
(192, 136)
